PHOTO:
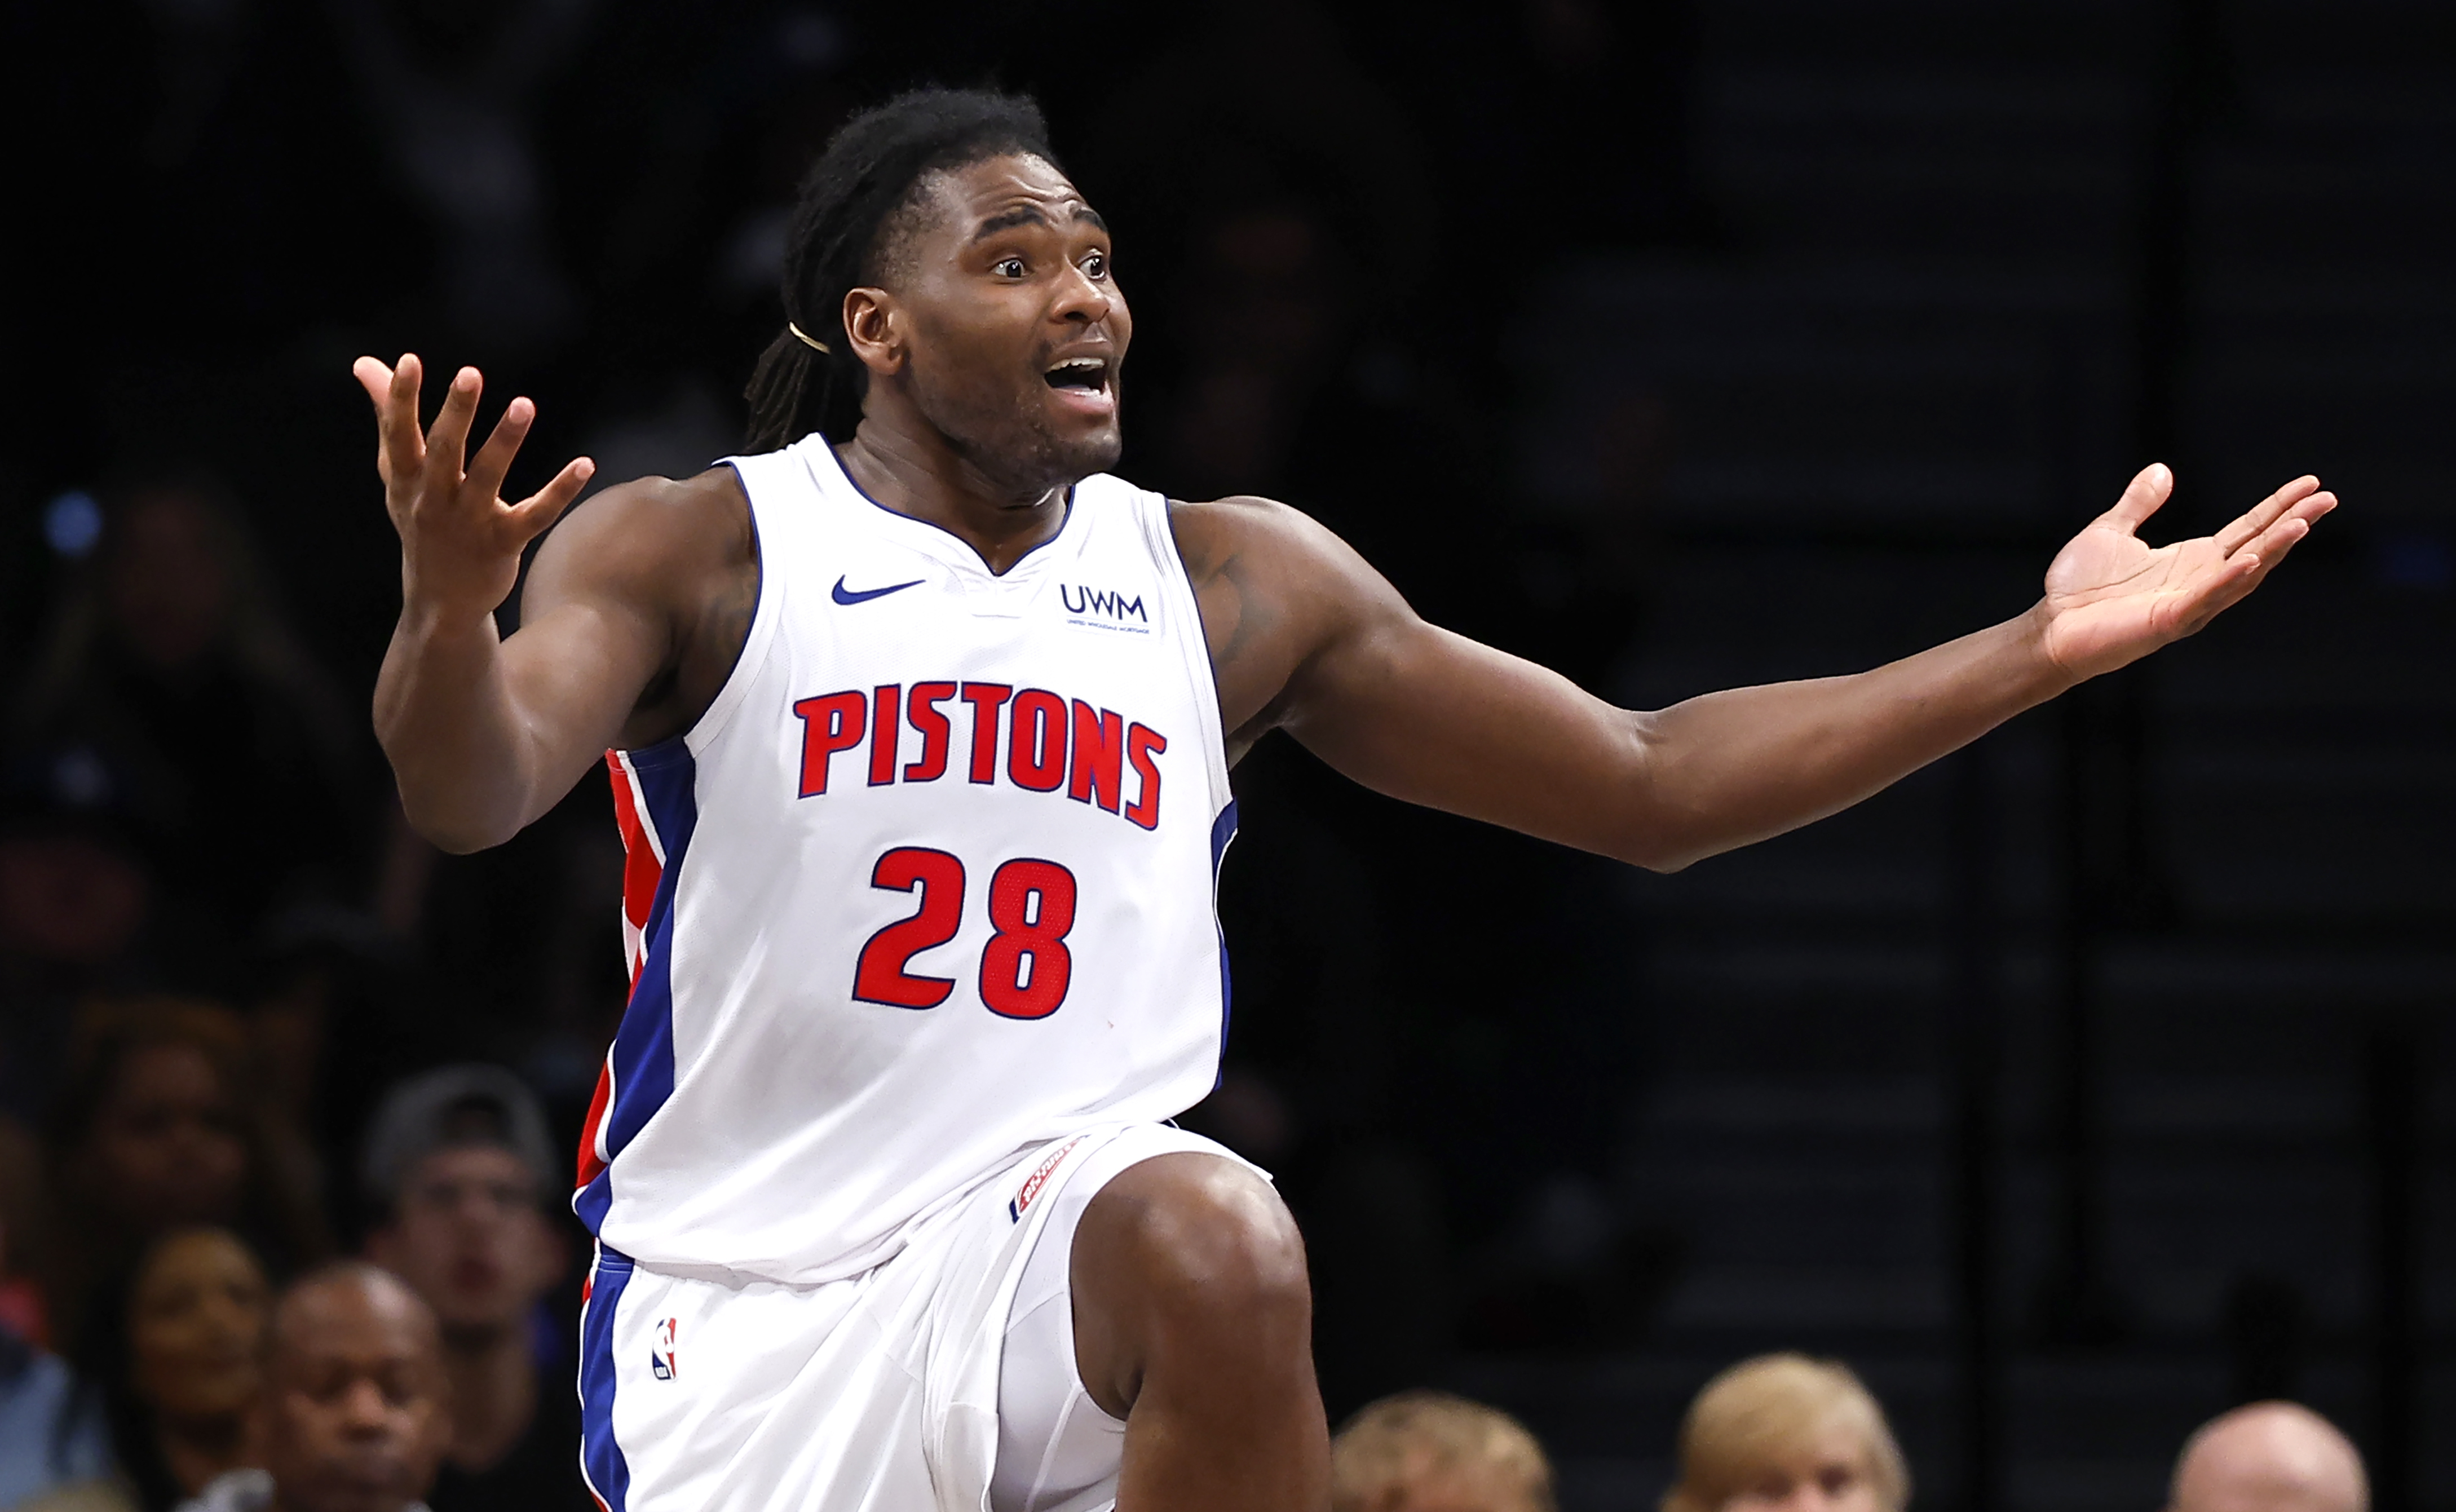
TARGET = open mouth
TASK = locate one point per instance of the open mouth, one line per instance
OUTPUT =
(1088, 375)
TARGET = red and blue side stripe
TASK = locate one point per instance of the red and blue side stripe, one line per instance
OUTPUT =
(656, 807)
(602, 1467)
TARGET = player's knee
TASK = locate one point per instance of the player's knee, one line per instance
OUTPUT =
(1213, 1238)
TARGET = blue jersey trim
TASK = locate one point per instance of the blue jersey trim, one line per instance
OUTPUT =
(758, 590)
(1223, 829)
(602, 1462)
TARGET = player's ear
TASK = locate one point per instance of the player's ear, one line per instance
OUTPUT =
(874, 322)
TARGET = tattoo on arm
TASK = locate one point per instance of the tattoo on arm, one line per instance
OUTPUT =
(1237, 619)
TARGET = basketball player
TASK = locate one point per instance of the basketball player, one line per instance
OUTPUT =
(920, 726)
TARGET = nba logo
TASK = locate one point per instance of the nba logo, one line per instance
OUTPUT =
(662, 1359)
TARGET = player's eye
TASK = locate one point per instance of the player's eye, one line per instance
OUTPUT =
(1096, 265)
(1010, 267)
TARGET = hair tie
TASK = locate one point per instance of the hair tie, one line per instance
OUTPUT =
(806, 338)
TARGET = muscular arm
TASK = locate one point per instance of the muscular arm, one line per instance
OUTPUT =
(634, 612)
(1305, 637)
(486, 733)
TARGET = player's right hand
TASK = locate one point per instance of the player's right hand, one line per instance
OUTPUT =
(460, 544)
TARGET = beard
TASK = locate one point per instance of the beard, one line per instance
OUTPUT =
(1009, 437)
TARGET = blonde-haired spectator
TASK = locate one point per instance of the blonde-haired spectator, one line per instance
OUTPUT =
(1785, 1433)
(1428, 1451)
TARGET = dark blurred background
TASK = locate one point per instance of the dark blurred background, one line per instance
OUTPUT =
(2082, 1085)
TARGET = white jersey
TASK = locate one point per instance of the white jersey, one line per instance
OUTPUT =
(931, 883)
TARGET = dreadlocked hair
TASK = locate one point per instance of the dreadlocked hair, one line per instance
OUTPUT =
(871, 173)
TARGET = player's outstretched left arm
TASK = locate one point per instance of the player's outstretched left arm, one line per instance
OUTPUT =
(1304, 636)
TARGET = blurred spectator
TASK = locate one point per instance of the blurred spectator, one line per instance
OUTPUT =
(167, 657)
(176, 1356)
(458, 1164)
(1788, 1432)
(75, 896)
(1428, 1451)
(158, 1129)
(50, 1433)
(2269, 1456)
(353, 1414)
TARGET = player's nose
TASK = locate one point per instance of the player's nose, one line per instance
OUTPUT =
(1082, 301)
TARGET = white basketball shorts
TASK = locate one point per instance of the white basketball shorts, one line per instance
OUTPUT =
(941, 1381)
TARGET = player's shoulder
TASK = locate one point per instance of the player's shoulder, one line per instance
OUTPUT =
(653, 528)
(1237, 511)
(1238, 519)
(660, 513)
(1258, 529)
(666, 503)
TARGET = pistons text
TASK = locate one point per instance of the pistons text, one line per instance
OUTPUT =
(1049, 743)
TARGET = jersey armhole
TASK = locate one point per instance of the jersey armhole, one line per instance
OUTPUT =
(1159, 530)
(765, 612)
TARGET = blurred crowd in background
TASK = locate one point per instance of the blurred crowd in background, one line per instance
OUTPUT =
(251, 1026)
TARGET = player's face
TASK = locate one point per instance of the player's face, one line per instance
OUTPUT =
(1018, 328)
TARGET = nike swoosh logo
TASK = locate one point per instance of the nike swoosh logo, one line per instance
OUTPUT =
(844, 595)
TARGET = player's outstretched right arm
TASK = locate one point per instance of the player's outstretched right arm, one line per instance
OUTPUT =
(485, 732)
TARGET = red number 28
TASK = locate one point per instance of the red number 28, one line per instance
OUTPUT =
(880, 976)
(1026, 967)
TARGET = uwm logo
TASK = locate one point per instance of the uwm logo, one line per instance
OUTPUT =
(1104, 606)
(1049, 744)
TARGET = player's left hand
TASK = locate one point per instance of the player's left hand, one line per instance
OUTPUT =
(2112, 599)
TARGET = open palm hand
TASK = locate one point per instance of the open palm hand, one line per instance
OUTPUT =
(460, 542)
(2112, 599)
